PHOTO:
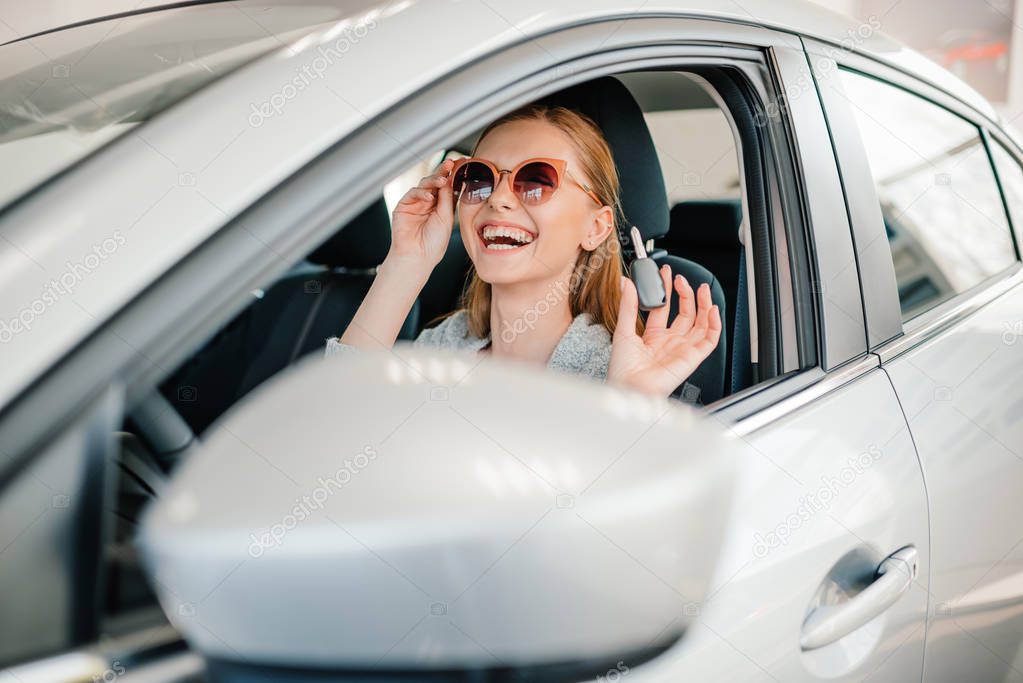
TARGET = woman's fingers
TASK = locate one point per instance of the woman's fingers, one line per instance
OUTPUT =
(686, 306)
(628, 309)
(714, 327)
(708, 340)
(416, 201)
(445, 197)
(704, 302)
(438, 179)
(433, 191)
(658, 318)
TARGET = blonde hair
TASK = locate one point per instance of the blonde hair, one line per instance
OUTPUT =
(594, 286)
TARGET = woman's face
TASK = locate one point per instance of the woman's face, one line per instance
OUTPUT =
(568, 221)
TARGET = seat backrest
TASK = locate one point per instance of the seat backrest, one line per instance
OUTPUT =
(644, 199)
(293, 317)
(301, 311)
(441, 293)
(709, 377)
(707, 231)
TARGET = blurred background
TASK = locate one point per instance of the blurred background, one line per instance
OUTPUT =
(981, 41)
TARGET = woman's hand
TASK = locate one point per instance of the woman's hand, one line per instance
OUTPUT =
(659, 361)
(422, 221)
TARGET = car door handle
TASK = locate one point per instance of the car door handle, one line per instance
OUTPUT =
(828, 623)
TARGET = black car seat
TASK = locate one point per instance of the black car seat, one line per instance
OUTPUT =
(300, 312)
(644, 200)
(707, 231)
(293, 317)
(442, 291)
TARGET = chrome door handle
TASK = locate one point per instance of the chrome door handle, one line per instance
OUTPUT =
(828, 623)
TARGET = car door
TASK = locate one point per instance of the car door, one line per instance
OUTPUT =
(826, 550)
(947, 314)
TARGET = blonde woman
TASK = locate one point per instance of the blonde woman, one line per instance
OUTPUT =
(537, 205)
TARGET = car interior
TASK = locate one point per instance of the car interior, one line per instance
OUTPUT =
(691, 225)
(675, 137)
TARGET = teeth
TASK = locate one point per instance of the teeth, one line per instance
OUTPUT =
(501, 246)
(517, 234)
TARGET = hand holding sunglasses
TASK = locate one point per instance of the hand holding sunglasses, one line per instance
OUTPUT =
(534, 182)
(423, 219)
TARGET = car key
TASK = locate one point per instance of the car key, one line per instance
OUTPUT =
(646, 276)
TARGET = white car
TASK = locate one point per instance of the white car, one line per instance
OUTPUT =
(193, 197)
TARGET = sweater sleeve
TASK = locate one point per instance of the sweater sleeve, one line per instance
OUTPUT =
(336, 347)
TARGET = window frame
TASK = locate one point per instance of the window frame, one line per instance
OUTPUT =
(890, 335)
(232, 264)
(203, 291)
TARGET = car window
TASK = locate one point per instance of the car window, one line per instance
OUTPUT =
(1011, 174)
(696, 149)
(943, 214)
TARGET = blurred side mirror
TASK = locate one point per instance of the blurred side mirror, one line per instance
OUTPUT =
(413, 511)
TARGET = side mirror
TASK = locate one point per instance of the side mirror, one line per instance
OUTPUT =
(414, 511)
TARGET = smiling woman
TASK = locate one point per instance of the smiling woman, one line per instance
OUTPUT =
(547, 269)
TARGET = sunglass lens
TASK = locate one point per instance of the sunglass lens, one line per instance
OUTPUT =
(536, 182)
(475, 181)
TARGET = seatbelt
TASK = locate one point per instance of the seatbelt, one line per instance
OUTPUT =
(740, 341)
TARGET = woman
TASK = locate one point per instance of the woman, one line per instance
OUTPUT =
(547, 269)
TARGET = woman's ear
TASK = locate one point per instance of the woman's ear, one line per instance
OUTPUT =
(601, 226)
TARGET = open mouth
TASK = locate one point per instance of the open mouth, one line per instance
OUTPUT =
(504, 238)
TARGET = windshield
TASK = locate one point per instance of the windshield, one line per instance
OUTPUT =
(66, 93)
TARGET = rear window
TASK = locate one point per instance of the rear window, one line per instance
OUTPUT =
(943, 213)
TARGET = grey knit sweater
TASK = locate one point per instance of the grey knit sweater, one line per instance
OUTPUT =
(585, 348)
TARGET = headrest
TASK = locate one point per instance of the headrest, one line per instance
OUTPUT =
(710, 223)
(612, 107)
(361, 244)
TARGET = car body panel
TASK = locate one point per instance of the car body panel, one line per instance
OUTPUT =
(961, 393)
(957, 371)
(788, 532)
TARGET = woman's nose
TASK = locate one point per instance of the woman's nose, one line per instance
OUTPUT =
(503, 194)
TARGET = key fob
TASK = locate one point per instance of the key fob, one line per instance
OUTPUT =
(645, 275)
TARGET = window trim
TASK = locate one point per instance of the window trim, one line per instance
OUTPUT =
(934, 321)
(763, 404)
(997, 137)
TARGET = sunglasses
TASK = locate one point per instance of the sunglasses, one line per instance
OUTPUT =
(534, 181)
